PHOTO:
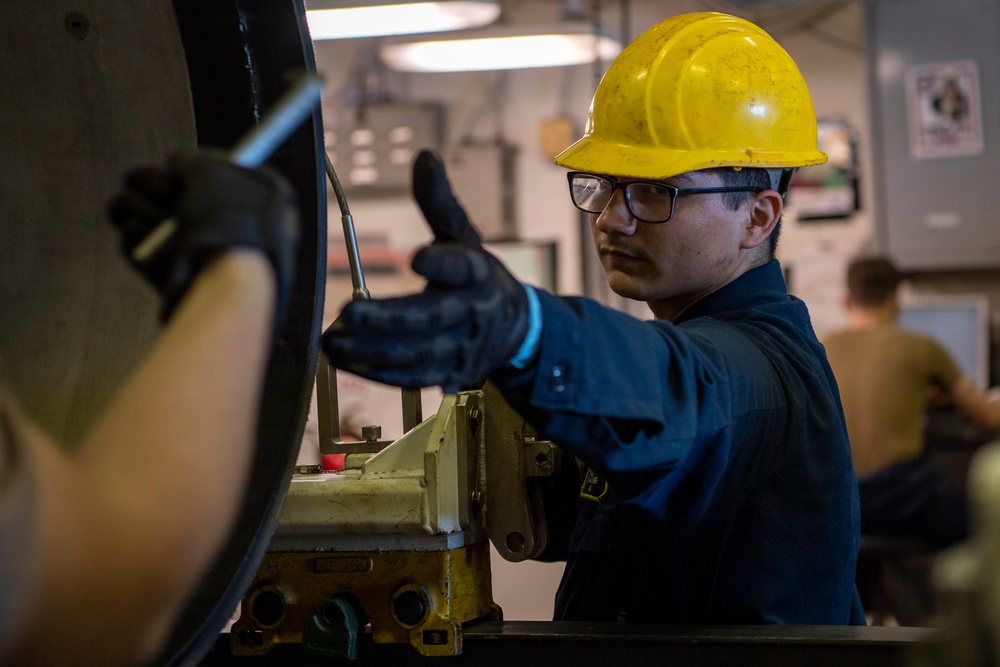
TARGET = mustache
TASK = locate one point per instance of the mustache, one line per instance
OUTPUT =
(618, 249)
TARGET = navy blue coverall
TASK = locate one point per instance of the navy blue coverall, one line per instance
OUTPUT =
(720, 487)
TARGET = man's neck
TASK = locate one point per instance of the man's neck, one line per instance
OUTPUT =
(672, 308)
(871, 318)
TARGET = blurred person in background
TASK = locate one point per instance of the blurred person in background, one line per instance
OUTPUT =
(887, 376)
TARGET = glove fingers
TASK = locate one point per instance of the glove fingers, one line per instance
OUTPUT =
(400, 361)
(160, 187)
(134, 216)
(441, 209)
(422, 314)
(451, 265)
(412, 359)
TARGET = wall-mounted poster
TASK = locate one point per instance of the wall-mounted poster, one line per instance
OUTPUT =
(944, 110)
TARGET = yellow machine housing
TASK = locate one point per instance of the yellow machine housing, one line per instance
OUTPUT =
(399, 538)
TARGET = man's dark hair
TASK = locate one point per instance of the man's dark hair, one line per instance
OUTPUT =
(753, 177)
(871, 281)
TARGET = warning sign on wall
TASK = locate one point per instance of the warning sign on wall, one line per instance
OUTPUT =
(944, 110)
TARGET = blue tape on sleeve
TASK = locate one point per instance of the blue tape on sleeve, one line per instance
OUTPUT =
(530, 345)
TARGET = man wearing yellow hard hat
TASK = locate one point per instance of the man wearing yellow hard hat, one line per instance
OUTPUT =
(719, 487)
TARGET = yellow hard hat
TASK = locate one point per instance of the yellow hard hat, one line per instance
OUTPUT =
(698, 91)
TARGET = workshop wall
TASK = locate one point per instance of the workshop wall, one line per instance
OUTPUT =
(935, 66)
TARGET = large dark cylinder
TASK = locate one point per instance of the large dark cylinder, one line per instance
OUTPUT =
(88, 89)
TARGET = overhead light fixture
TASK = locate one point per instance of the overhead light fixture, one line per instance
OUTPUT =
(333, 19)
(511, 46)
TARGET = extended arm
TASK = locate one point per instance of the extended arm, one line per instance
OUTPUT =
(641, 405)
(983, 410)
(126, 527)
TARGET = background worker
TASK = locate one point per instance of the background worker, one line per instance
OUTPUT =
(101, 549)
(886, 375)
(719, 486)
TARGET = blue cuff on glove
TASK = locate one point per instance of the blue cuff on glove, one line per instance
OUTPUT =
(530, 345)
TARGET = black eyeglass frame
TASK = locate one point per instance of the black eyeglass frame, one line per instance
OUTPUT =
(674, 192)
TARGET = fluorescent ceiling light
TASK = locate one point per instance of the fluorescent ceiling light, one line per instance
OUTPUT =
(502, 47)
(338, 20)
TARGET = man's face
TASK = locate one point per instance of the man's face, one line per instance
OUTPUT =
(670, 265)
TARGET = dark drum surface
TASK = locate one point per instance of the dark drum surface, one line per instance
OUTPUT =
(91, 89)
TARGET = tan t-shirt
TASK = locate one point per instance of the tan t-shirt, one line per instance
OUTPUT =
(17, 525)
(885, 375)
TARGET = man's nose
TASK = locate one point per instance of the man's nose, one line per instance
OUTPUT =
(616, 217)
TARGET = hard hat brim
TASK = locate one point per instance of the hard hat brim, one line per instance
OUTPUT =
(629, 161)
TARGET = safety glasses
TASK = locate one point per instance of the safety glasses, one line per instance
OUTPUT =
(648, 201)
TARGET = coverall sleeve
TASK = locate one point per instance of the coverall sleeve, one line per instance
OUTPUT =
(627, 395)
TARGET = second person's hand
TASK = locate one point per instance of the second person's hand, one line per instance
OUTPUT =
(471, 319)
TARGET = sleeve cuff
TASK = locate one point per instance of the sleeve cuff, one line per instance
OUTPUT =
(529, 347)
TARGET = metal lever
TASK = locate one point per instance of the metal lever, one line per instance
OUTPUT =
(328, 402)
(360, 292)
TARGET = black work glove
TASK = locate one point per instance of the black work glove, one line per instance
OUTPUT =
(470, 320)
(215, 205)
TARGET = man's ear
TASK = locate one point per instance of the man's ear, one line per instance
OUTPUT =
(765, 211)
